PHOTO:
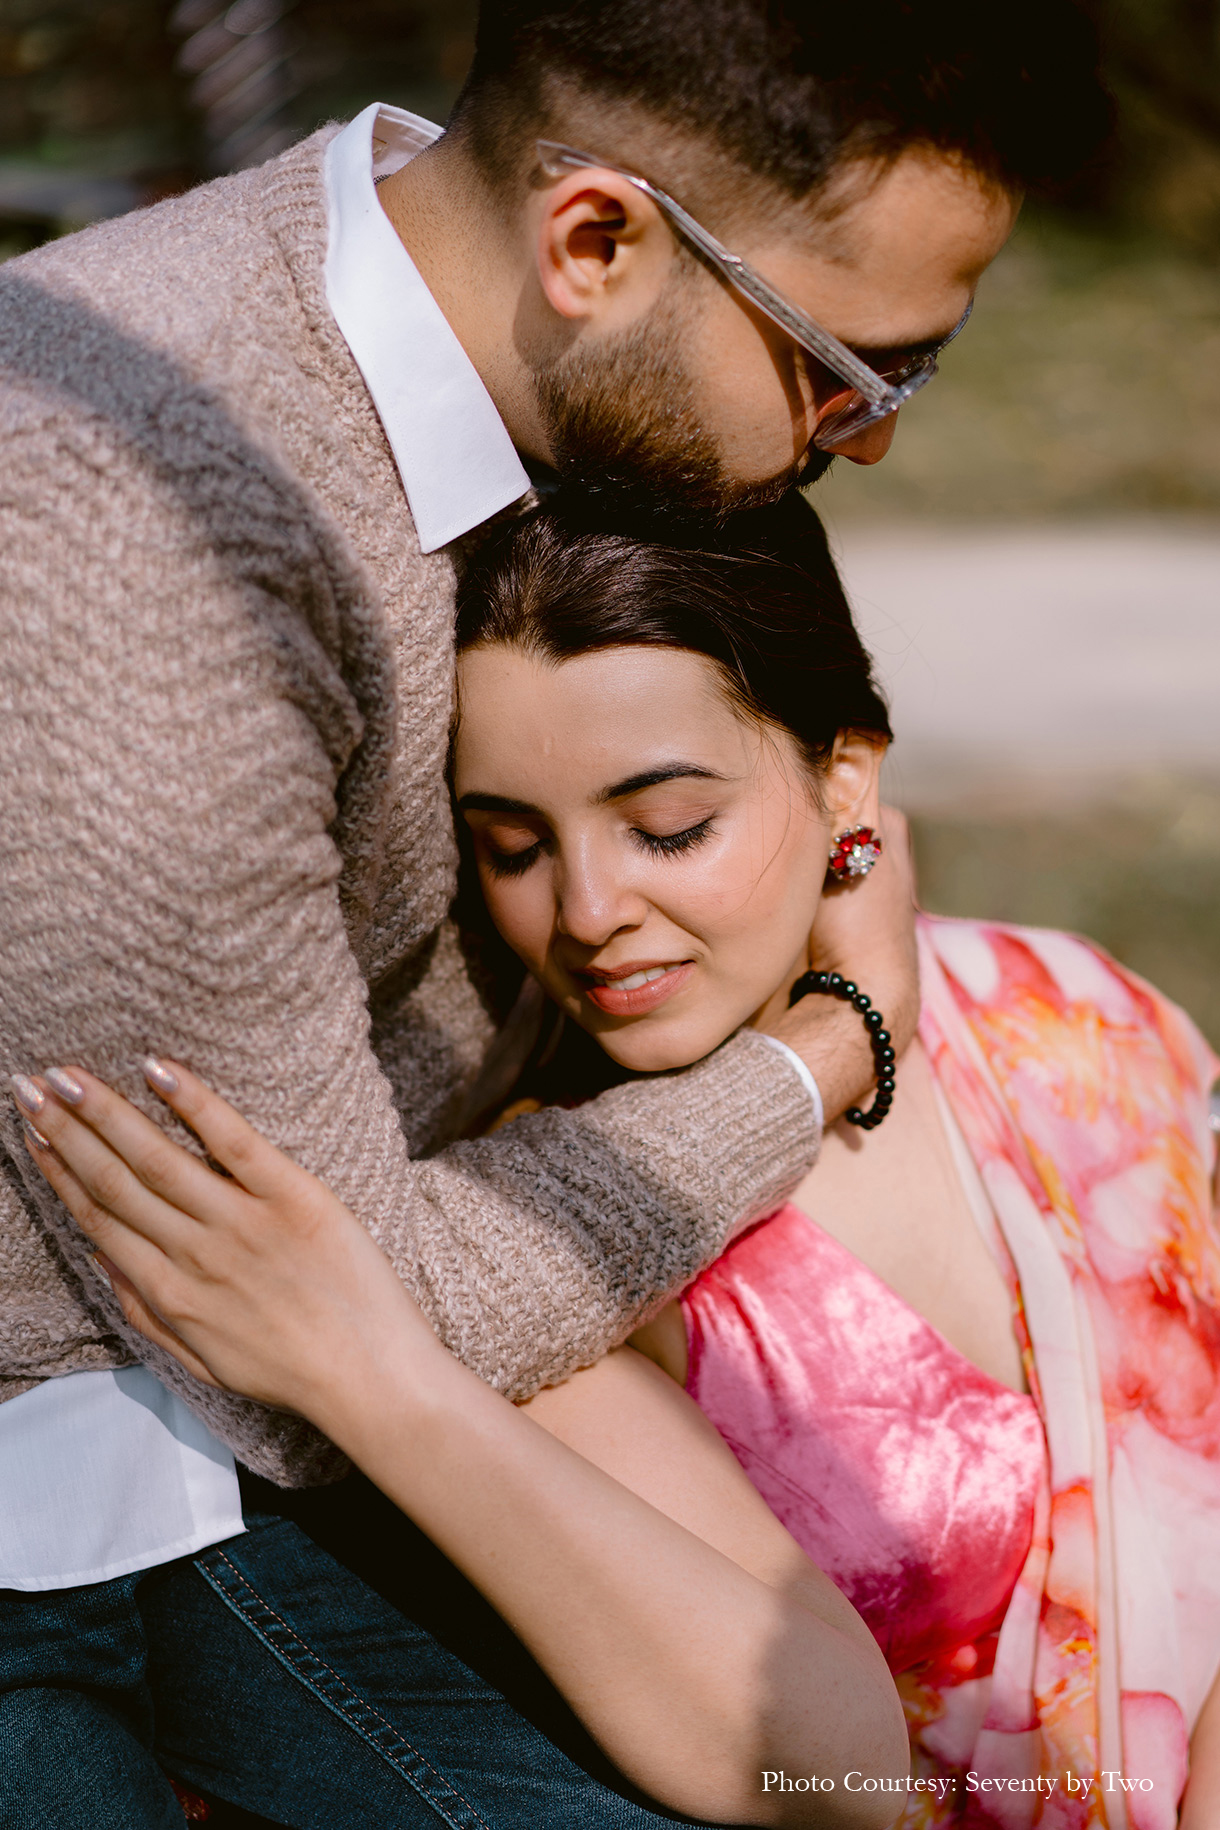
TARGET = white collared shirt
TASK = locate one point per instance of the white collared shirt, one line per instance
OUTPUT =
(457, 462)
(104, 1473)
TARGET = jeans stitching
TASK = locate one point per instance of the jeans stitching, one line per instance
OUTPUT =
(342, 1711)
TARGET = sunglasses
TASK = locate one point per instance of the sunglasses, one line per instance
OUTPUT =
(875, 394)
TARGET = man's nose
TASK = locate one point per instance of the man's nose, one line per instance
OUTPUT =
(870, 445)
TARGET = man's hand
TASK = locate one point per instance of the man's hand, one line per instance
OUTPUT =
(866, 931)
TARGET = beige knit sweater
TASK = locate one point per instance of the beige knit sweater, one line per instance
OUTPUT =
(225, 689)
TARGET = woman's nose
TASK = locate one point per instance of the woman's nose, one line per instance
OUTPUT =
(593, 905)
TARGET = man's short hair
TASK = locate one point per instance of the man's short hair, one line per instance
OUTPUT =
(790, 90)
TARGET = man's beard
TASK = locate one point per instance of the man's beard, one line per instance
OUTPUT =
(623, 428)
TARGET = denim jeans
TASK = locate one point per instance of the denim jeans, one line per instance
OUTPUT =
(268, 1673)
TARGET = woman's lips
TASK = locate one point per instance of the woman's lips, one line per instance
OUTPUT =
(628, 997)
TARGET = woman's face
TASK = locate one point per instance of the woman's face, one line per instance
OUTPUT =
(654, 857)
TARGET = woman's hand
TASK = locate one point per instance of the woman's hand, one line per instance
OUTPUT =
(261, 1283)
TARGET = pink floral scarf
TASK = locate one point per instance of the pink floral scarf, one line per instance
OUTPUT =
(1082, 1094)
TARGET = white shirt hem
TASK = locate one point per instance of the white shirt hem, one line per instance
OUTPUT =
(126, 1566)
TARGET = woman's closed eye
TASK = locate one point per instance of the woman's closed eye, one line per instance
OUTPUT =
(511, 853)
(512, 863)
(669, 844)
(509, 856)
(506, 847)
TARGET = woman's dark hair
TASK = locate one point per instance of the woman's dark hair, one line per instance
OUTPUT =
(759, 596)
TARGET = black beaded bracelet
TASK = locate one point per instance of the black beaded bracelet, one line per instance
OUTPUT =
(883, 1048)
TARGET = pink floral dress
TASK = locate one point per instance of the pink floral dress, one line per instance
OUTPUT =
(1044, 1572)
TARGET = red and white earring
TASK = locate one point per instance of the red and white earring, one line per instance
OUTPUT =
(854, 853)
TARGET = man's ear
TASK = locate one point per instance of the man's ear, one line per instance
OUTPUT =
(603, 250)
(851, 786)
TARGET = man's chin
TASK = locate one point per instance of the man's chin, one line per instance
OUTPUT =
(660, 489)
(814, 468)
(735, 498)
(765, 495)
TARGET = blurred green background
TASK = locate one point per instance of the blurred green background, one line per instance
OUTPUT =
(1085, 394)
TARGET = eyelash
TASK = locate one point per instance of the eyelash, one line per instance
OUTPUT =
(659, 844)
(512, 864)
(669, 844)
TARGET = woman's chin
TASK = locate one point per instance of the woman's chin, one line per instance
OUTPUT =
(654, 1046)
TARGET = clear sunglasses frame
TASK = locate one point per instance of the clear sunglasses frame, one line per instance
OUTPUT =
(874, 396)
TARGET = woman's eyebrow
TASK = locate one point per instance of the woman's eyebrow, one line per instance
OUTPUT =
(633, 784)
(649, 778)
(495, 803)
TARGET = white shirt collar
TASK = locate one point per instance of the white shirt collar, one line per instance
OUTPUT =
(457, 462)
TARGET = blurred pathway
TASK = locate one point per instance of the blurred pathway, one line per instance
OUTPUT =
(1042, 664)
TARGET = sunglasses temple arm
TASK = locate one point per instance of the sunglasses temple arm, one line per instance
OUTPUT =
(811, 337)
(751, 285)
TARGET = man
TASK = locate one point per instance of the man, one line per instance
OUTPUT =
(247, 433)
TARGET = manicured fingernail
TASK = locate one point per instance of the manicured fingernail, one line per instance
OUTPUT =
(64, 1087)
(101, 1270)
(158, 1075)
(28, 1096)
(34, 1137)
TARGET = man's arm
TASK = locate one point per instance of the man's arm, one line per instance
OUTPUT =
(174, 735)
(716, 1179)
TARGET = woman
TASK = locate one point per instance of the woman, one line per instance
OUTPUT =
(972, 1368)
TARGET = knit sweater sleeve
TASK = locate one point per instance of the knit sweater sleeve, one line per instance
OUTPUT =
(538, 1248)
(176, 740)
